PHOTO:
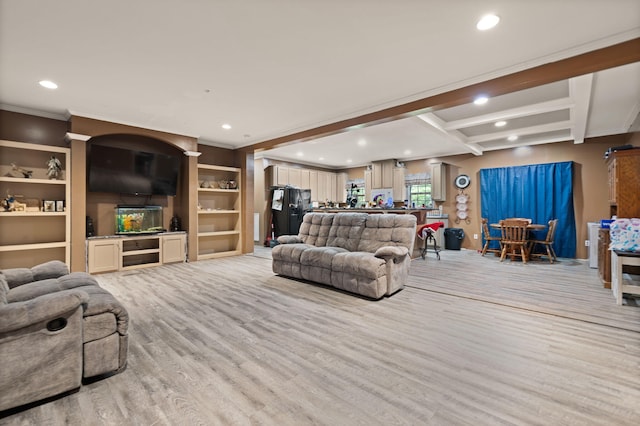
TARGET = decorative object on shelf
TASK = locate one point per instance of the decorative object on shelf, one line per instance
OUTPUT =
(7, 202)
(205, 184)
(33, 204)
(19, 172)
(10, 204)
(175, 224)
(60, 205)
(49, 206)
(54, 168)
(233, 184)
(89, 227)
(224, 184)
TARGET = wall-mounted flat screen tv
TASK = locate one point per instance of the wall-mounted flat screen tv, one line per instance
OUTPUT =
(125, 171)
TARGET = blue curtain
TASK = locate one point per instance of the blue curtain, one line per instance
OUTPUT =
(540, 192)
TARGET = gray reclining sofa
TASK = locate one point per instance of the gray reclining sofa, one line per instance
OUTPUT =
(366, 254)
(56, 329)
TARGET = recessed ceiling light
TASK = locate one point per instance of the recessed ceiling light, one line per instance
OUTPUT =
(487, 22)
(300, 154)
(226, 126)
(349, 161)
(321, 159)
(500, 123)
(481, 100)
(407, 151)
(362, 142)
(48, 84)
(512, 138)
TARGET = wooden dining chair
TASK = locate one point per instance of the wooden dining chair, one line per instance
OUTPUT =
(488, 238)
(520, 218)
(514, 239)
(547, 243)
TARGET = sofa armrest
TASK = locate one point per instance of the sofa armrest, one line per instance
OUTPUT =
(289, 239)
(14, 316)
(391, 252)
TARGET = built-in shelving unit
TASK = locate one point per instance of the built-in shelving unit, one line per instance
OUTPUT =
(121, 253)
(219, 212)
(31, 237)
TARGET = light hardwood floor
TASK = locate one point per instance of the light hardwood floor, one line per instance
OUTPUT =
(470, 341)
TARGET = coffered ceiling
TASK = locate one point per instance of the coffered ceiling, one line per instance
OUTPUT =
(271, 69)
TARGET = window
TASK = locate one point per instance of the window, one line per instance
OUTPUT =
(420, 195)
(355, 190)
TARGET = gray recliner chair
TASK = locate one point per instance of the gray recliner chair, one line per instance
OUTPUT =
(56, 329)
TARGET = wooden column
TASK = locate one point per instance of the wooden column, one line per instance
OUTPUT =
(248, 167)
(78, 204)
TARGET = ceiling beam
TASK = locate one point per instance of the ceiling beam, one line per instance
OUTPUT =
(453, 135)
(597, 60)
(542, 128)
(509, 114)
(580, 89)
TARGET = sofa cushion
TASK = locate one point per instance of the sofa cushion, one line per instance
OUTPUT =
(18, 276)
(387, 230)
(361, 264)
(51, 269)
(289, 252)
(346, 230)
(52, 285)
(320, 256)
(315, 227)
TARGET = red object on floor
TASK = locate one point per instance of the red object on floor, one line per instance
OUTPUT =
(426, 232)
(422, 231)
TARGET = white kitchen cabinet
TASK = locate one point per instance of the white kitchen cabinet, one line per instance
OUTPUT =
(438, 182)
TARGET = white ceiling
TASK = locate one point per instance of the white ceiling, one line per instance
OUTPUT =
(273, 68)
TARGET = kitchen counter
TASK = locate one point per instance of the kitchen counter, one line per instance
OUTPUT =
(421, 214)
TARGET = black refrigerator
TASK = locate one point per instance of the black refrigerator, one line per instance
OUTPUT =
(288, 207)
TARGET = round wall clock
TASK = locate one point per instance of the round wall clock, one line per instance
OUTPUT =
(462, 181)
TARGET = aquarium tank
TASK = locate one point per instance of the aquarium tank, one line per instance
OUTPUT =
(138, 219)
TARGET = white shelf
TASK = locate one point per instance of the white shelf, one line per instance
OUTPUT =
(32, 181)
(204, 256)
(219, 216)
(218, 233)
(221, 211)
(219, 190)
(35, 233)
(37, 246)
(139, 252)
(26, 214)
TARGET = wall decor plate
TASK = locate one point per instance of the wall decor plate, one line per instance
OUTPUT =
(462, 181)
(461, 206)
(461, 214)
(462, 198)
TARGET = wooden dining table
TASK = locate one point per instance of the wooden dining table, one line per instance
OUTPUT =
(532, 227)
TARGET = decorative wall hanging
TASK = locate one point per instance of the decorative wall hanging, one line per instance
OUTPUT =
(461, 182)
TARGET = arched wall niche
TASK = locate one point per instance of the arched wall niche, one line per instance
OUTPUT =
(98, 128)
(136, 142)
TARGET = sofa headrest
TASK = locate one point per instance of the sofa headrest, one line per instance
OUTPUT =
(346, 230)
(388, 230)
(18, 276)
(314, 229)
